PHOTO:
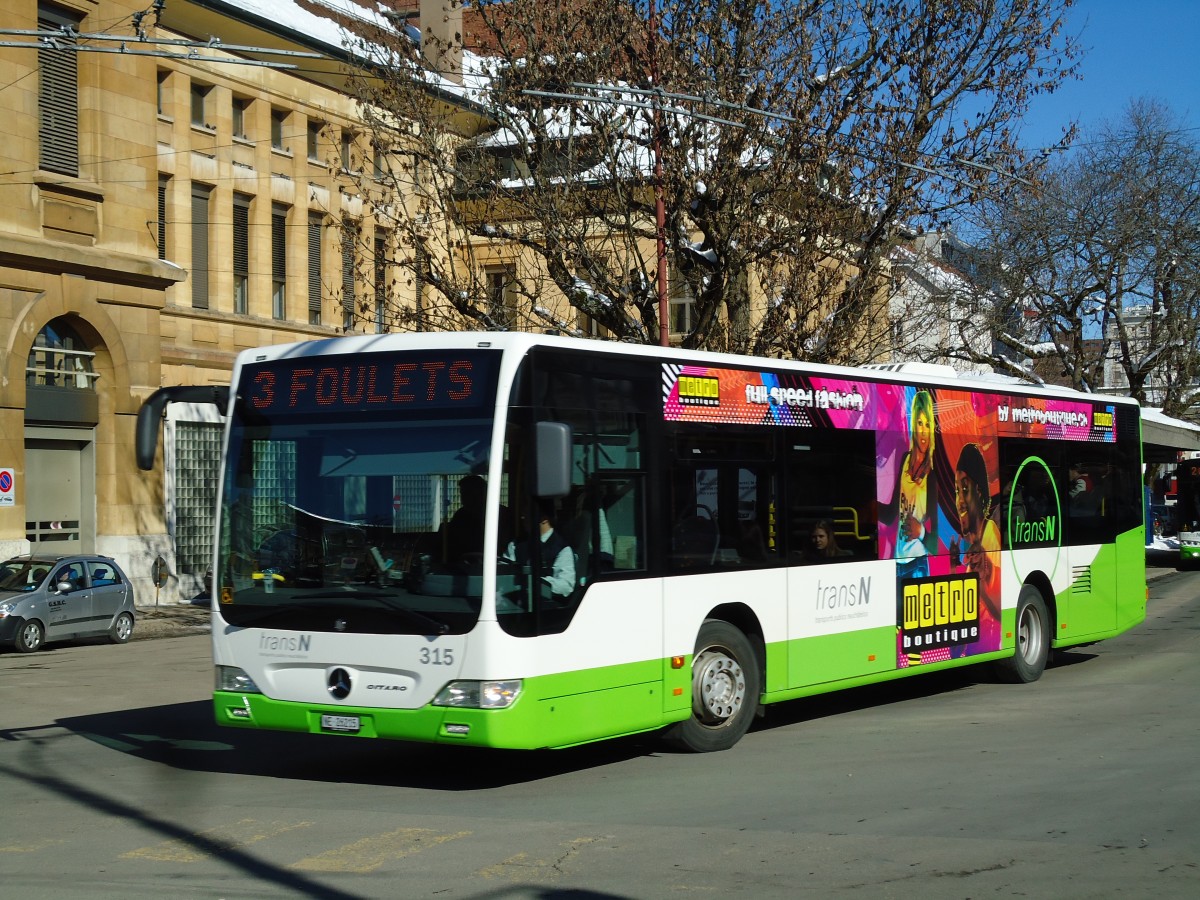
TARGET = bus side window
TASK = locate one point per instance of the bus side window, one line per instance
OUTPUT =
(831, 477)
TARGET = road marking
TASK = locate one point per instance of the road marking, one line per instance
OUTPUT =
(207, 843)
(32, 847)
(521, 868)
(370, 853)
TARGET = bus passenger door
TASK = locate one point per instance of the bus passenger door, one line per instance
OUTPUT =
(1092, 501)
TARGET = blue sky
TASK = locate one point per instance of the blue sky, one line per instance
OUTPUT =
(1134, 48)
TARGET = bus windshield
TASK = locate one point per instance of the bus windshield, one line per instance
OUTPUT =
(336, 518)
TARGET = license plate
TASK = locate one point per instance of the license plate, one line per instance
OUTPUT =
(340, 723)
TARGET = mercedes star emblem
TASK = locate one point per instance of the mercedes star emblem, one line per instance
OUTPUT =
(339, 683)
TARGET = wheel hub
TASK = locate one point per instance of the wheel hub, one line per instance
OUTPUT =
(719, 686)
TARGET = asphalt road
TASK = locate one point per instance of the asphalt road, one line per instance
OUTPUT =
(114, 783)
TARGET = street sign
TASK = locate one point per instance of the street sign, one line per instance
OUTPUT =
(159, 573)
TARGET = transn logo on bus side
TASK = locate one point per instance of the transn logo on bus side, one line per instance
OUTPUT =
(942, 611)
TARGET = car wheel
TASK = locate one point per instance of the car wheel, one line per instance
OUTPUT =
(122, 629)
(31, 636)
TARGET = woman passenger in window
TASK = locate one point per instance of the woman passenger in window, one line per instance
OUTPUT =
(980, 538)
(913, 520)
(824, 543)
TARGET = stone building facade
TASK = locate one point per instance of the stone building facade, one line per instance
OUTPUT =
(164, 204)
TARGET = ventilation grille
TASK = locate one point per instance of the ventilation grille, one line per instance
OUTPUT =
(1081, 579)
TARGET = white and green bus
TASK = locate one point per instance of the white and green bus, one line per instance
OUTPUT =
(525, 541)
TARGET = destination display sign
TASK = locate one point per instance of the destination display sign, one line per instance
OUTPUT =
(375, 382)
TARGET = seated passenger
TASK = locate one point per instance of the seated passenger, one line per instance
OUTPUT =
(824, 543)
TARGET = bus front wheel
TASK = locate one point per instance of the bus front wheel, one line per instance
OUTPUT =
(1033, 639)
(726, 683)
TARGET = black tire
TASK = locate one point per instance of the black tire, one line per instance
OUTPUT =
(1033, 640)
(30, 636)
(122, 629)
(726, 683)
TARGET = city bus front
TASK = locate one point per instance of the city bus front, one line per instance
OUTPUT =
(340, 606)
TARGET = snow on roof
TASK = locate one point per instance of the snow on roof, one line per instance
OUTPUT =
(304, 19)
(1155, 414)
(324, 30)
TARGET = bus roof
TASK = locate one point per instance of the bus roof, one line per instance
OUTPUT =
(522, 342)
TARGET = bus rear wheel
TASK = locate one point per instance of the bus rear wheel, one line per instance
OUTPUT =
(726, 683)
(1033, 640)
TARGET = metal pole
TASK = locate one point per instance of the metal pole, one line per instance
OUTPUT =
(660, 209)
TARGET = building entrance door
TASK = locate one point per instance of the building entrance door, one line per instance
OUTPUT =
(61, 498)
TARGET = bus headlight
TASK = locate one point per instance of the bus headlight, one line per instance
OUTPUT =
(231, 678)
(479, 694)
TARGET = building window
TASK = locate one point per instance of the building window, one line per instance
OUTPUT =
(241, 253)
(278, 121)
(201, 194)
(164, 83)
(200, 105)
(164, 182)
(58, 93)
(381, 286)
(314, 141)
(349, 241)
(279, 215)
(501, 298)
(314, 268)
(682, 313)
(590, 327)
(348, 151)
(241, 115)
(378, 162)
(60, 358)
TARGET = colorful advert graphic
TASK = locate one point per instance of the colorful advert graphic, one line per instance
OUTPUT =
(937, 614)
(940, 507)
(736, 396)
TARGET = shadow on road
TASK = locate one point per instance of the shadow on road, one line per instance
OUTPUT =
(184, 736)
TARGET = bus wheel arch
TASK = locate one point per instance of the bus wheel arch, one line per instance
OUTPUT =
(726, 685)
(1033, 634)
(1039, 580)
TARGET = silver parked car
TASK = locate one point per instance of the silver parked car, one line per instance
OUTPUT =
(47, 598)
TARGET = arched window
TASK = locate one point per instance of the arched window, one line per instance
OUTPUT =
(60, 358)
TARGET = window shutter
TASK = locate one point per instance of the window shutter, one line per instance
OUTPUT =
(200, 247)
(279, 261)
(162, 216)
(314, 265)
(241, 234)
(58, 97)
(278, 245)
(349, 239)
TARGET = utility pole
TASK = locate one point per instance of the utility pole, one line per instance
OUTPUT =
(660, 209)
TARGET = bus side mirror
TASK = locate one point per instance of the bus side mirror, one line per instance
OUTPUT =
(553, 459)
(150, 414)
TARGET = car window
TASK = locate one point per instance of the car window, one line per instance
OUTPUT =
(71, 572)
(23, 575)
(103, 573)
